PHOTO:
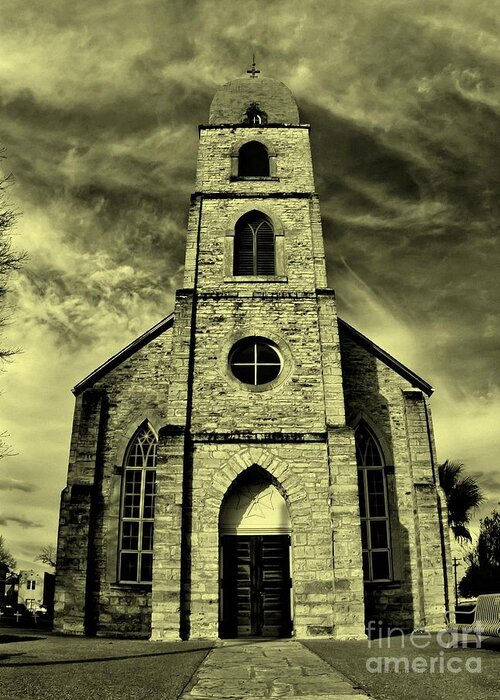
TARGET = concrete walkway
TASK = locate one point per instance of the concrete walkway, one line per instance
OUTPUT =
(261, 669)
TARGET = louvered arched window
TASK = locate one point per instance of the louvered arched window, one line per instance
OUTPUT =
(373, 506)
(253, 160)
(254, 245)
(137, 510)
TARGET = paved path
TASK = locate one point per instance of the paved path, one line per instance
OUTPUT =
(267, 669)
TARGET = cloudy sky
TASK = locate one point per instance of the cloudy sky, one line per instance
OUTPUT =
(100, 105)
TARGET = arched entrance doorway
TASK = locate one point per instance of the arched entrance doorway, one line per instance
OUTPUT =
(255, 590)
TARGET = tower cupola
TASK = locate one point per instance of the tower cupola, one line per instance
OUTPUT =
(255, 101)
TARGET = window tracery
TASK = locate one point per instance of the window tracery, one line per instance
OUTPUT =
(373, 506)
(137, 511)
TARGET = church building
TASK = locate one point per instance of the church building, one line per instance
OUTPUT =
(252, 465)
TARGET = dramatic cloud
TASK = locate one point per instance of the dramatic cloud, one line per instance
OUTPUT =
(10, 484)
(24, 522)
(99, 113)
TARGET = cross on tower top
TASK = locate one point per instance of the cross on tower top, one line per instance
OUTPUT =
(253, 72)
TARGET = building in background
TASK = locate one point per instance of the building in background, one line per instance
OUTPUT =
(252, 465)
(30, 589)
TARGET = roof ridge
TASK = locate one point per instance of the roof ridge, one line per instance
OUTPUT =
(125, 353)
(386, 357)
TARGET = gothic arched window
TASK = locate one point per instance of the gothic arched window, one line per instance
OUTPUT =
(137, 509)
(254, 245)
(373, 507)
(253, 160)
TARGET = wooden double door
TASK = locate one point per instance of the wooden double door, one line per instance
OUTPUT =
(255, 586)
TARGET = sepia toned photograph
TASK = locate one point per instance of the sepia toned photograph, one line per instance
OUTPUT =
(250, 350)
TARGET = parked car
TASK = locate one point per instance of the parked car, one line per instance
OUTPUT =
(13, 610)
(39, 610)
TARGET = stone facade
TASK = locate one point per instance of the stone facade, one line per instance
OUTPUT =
(212, 428)
(401, 416)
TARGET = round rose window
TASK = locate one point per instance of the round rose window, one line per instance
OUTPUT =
(255, 361)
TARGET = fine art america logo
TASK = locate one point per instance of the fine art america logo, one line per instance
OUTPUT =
(435, 657)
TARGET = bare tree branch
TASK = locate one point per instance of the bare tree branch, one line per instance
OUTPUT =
(10, 261)
(47, 555)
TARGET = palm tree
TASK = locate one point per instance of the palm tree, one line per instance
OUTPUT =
(463, 496)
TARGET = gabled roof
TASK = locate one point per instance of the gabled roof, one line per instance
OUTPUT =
(168, 321)
(389, 360)
(125, 353)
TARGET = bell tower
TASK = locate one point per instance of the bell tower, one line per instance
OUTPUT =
(256, 390)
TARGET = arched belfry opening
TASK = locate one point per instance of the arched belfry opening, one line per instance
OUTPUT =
(255, 572)
(253, 160)
(255, 115)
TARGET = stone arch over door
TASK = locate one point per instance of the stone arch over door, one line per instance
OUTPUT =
(280, 472)
(254, 555)
(254, 504)
(209, 492)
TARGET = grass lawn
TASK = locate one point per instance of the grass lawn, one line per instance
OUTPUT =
(372, 666)
(45, 666)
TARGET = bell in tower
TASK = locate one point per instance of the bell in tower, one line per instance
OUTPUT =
(254, 115)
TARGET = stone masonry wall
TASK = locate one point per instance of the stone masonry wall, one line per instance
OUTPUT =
(343, 480)
(346, 535)
(301, 471)
(172, 527)
(293, 160)
(222, 402)
(291, 218)
(296, 427)
(137, 390)
(377, 393)
(72, 571)
(428, 510)
(134, 391)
